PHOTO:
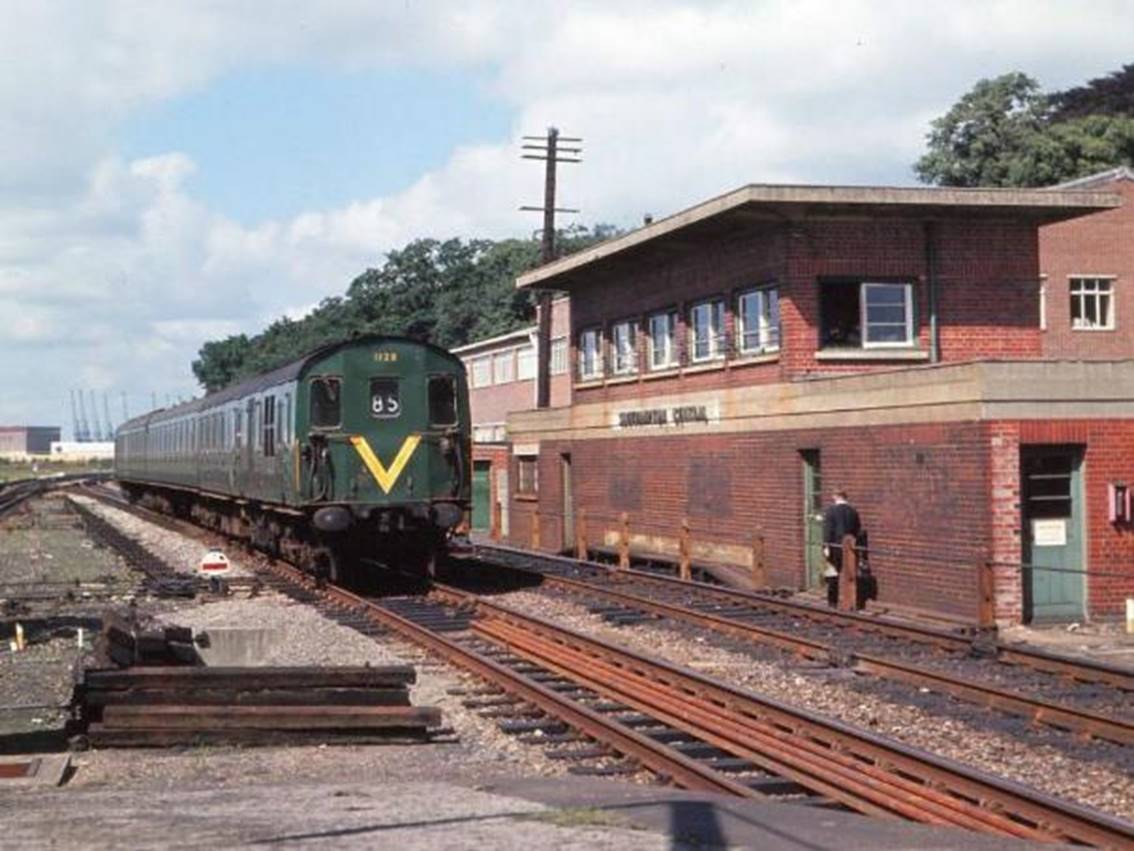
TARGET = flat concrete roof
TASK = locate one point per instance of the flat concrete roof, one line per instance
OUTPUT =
(787, 203)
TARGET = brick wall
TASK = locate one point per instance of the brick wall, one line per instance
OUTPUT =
(921, 490)
(1098, 244)
(988, 292)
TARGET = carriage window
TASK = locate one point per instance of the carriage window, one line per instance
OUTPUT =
(385, 403)
(268, 441)
(237, 430)
(326, 403)
(442, 400)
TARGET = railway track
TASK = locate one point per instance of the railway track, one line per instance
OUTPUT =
(992, 674)
(704, 734)
(597, 700)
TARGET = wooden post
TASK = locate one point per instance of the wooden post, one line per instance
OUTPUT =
(624, 542)
(848, 579)
(535, 528)
(494, 527)
(581, 535)
(986, 596)
(759, 569)
(683, 568)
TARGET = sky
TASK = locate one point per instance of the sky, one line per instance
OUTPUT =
(179, 171)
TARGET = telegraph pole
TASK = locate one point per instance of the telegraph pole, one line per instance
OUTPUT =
(548, 149)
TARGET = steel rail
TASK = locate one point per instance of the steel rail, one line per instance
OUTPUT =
(737, 713)
(1039, 711)
(1082, 670)
(654, 755)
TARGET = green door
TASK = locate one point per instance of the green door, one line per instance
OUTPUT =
(813, 516)
(481, 495)
(1053, 577)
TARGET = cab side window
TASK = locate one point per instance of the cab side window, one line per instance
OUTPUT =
(442, 400)
(326, 403)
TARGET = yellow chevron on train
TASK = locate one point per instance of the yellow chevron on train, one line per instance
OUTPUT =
(385, 477)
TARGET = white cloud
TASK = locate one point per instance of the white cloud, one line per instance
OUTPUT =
(112, 273)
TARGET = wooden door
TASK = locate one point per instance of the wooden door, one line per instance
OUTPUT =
(813, 517)
(1052, 534)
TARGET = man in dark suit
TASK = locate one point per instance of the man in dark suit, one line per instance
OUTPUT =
(839, 520)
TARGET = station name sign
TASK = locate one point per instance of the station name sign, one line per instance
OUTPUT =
(676, 415)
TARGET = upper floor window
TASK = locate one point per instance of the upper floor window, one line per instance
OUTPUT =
(624, 349)
(502, 367)
(482, 371)
(559, 356)
(662, 330)
(590, 353)
(860, 314)
(526, 363)
(707, 330)
(758, 320)
(1092, 304)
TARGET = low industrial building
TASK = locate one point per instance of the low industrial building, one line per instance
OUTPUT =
(21, 441)
(736, 362)
(502, 379)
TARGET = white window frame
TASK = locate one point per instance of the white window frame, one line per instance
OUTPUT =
(908, 324)
(559, 356)
(595, 370)
(482, 362)
(767, 332)
(526, 363)
(503, 367)
(624, 347)
(716, 309)
(1095, 293)
(668, 358)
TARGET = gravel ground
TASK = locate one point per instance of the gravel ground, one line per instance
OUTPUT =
(180, 552)
(1044, 768)
(306, 637)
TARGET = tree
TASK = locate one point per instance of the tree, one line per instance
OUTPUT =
(985, 138)
(219, 361)
(448, 292)
(1109, 95)
(1005, 132)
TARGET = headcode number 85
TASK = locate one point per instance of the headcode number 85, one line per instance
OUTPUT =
(385, 406)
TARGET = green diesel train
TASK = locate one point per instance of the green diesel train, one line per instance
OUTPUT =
(359, 450)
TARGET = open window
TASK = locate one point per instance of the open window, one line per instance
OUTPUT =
(442, 400)
(866, 314)
(326, 402)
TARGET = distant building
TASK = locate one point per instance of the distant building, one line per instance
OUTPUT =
(28, 440)
(89, 450)
(502, 379)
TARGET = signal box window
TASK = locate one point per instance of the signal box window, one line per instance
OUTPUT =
(1092, 304)
(326, 403)
(559, 356)
(662, 328)
(707, 330)
(590, 354)
(385, 401)
(527, 475)
(623, 343)
(758, 318)
(859, 314)
(442, 400)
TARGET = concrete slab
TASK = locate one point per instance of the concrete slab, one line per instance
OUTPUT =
(33, 770)
(237, 646)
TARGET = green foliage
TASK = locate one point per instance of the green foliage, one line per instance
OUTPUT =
(1109, 95)
(448, 292)
(1006, 132)
(979, 142)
